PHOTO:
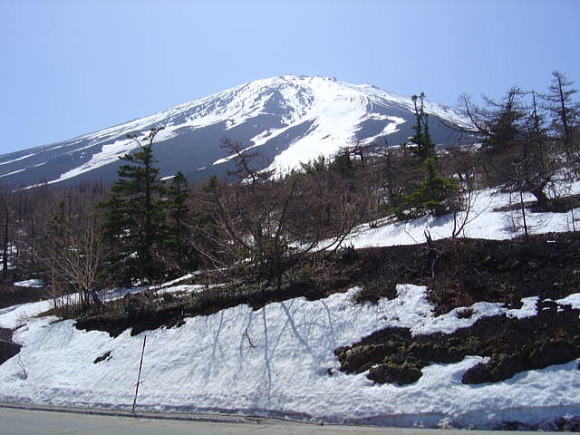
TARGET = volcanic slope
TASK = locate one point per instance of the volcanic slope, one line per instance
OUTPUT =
(288, 119)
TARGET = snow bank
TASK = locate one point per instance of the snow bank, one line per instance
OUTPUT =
(18, 315)
(35, 283)
(278, 360)
(572, 300)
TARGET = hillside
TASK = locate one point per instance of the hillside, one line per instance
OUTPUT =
(383, 338)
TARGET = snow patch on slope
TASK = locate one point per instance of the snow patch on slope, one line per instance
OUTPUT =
(34, 283)
(12, 173)
(111, 153)
(529, 308)
(572, 300)
(336, 115)
(17, 159)
(483, 221)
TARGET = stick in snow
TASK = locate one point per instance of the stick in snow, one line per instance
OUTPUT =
(139, 375)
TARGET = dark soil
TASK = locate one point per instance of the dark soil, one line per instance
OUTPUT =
(392, 355)
(314, 278)
(7, 348)
(141, 316)
(463, 271)
(459, 273)
(5, 334)
(12, 295)
(557, 205)
(104, 357)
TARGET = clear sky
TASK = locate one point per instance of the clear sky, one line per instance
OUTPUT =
(77, 66)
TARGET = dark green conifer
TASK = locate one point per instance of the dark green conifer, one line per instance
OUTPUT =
(135, 215)
(424, 146)
(436, 195)
(178, 246)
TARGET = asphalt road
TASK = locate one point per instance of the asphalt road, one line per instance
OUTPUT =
(29, 422)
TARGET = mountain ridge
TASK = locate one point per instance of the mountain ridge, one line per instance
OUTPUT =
(291, 118)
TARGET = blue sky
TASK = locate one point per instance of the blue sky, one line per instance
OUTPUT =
(73, 67)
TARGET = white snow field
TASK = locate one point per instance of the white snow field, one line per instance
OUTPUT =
(279, 360)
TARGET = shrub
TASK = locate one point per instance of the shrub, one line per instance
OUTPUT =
(435, 196)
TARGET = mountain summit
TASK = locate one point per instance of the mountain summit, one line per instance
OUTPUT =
(288, 119)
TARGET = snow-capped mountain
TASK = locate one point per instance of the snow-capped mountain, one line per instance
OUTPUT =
(288, 119)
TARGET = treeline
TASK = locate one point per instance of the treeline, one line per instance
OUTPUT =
(259, 225)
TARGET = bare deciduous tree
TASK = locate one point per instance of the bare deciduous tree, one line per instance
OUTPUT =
(275, 223)
(74, 254)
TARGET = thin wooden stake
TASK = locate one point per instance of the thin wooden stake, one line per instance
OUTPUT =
(524, 214)
(139, 375)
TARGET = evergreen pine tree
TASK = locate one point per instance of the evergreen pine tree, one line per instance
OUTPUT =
(424, 146)
(504, 123)
(178, 246)
(436, 194)
(135, 215)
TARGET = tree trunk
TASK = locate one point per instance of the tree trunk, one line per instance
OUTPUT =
(5, 246)
(542, 200)
(523, 210)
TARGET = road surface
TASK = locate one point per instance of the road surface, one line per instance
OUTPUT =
(26, 422)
